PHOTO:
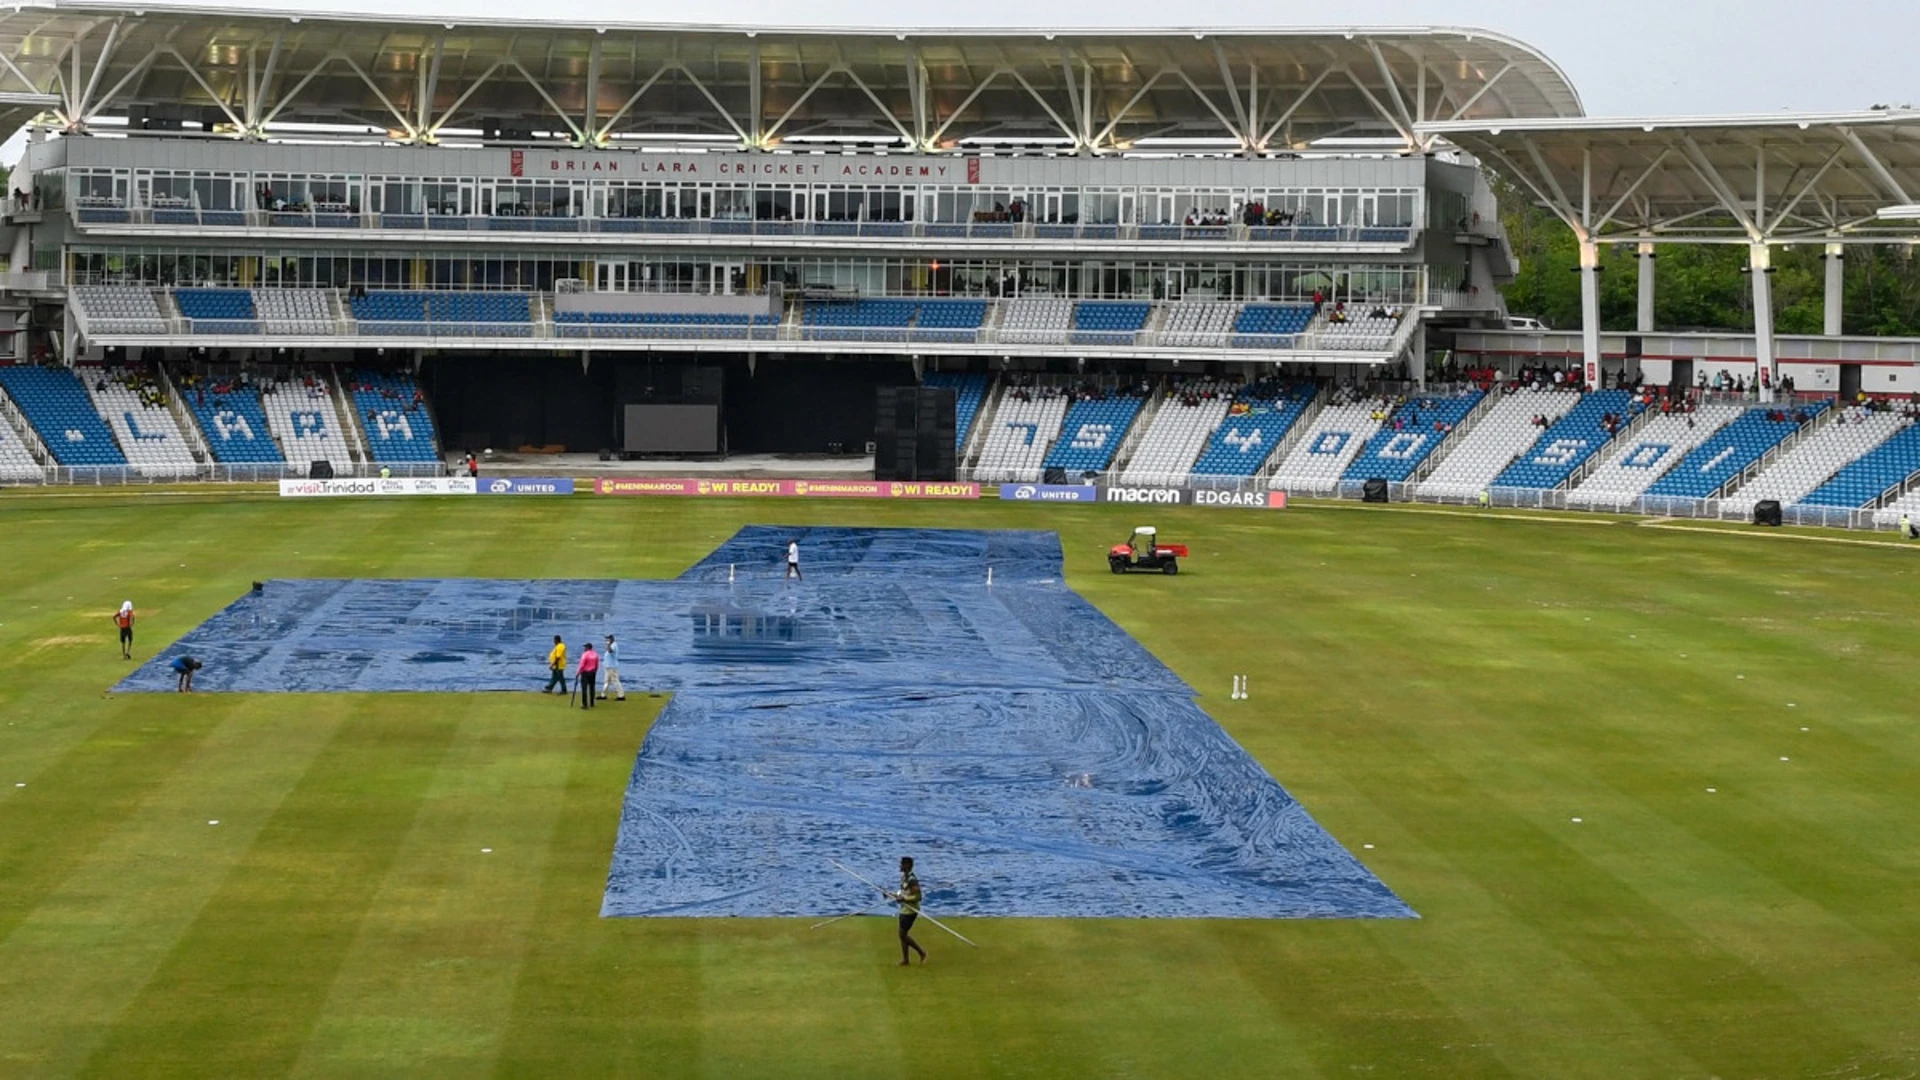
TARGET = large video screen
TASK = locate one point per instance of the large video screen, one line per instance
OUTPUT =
(673, 429)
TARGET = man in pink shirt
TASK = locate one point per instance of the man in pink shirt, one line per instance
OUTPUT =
(588, 671)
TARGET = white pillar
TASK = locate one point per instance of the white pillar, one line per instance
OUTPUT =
(1760, 263)
(1590, 311)
(1645, 324)
(1836, 283)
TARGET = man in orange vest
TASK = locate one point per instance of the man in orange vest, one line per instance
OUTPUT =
(124, 620)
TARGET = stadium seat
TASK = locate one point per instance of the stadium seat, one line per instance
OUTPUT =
(1873, 474)
(1504, 433)
(217, 311)
(120, 309)
(1361, 332)
(1190, 412)
(1633, 465)
(677, 325)
(17, 464)
(1271, 326)
(1036, 322)
(233, 422)
(1025, 425)
(1109, 322)
(303, 418)
(1321, 457)
(461, 314)
(1795, 474)
(1091, 433)
(305, 312)
(133, 405)
(57, 405)
(858, 320)
(398, 427)
(1411, 434)
(969, 391)
(1727, 454)
(1257, 422)
(1199, 324)
(949, 320)
(1568, 443)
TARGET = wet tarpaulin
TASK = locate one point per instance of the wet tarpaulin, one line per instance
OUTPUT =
(1033, 757)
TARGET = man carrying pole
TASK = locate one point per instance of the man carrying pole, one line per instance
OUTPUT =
(909, 899)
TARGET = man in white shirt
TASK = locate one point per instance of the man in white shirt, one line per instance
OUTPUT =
(610, 664)
(793, 559)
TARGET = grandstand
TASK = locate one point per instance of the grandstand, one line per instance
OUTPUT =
(1411, 434)
(1817, 458)
(136, 409)
(1336, 438)
(57, 404)
(495, 279)
(1506, 431)
(1188, 414)
(1724, 457)
(1648, 454)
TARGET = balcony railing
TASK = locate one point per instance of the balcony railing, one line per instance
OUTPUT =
(342, 217)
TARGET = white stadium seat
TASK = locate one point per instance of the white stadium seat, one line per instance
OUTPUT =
(306, 422)
(1637, 461)
(1179, 432)
(1320, 457)
(1021, 434)
(1506, 432)
(1794, 474)
(147, 432)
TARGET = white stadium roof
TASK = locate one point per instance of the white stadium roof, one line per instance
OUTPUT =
(1744, 179)
(252, 72)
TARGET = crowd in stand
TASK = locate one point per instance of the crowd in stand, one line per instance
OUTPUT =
(141, 382)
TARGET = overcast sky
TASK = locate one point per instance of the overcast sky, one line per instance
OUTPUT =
(1627, 58)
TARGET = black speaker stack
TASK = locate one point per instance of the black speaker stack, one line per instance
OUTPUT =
(913, 434)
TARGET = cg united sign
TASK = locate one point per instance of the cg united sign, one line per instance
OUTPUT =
(527, 485)
(1055, 493)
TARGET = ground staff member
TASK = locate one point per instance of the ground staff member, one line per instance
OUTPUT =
(589, 670)
(183, 668)
(793, 560)
(124, 620)
(557, 666)
(909, 898)
(610, 663)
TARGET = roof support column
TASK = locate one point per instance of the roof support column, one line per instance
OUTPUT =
(1590, 311)
(1836, 288)
(1760, 265)
(1647, 257)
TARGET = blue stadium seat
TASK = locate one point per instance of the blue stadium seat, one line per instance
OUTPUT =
(1709, 466)
(1091, 434)
(218, 311)
(398, 430)
(859, 320)
(949, 320)
(969, 391)
(1868, 477)
(56, 403)
(1270, 326)
(234, 425)
(1396, 451)
(1108, 322)
(464, 314)
(1259, 419)
(1567, 444)
(662, 324)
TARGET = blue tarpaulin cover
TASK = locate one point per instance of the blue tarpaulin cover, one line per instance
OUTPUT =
(1030, 754)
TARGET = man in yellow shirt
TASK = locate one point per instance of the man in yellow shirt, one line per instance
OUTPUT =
(557, 666)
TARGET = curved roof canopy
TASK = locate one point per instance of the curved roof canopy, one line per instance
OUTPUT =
(1759, 179)
(252, 73)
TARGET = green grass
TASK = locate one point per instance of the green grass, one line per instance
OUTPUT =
(1452, 689)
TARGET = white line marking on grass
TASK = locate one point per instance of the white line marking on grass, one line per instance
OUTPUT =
(213, 821)
(1661, 523)
(1712, 790)
(1576, 821)
(1481, 515)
